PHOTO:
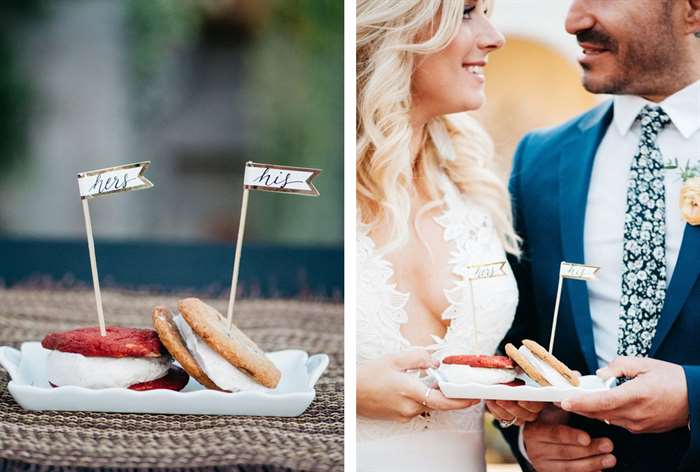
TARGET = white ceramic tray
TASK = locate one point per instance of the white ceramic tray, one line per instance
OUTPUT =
(531, 391)
(30, 388)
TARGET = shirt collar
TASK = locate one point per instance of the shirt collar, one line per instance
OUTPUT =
(683, 107)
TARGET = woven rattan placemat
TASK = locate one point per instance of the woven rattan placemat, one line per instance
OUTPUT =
(313, 441)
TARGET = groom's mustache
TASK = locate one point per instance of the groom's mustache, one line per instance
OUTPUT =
(596, 38)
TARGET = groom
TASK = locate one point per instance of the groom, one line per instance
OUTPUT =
(598, 190)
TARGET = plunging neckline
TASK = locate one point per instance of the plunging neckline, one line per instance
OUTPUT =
(456, 234)
(407, 295)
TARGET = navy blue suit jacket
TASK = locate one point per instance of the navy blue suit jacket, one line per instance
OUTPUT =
(549, 186)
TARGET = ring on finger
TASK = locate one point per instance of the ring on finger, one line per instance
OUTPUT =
(508, 424)
(428, 391)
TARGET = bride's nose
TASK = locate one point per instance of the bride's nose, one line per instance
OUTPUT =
(490, 38)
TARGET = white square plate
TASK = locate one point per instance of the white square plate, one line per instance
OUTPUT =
(30, 388)
(531, 391)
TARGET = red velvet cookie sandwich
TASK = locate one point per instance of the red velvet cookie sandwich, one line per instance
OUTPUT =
(479, 369)
(126, 357)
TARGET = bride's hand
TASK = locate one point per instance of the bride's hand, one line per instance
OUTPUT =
(520, 412)
(386, 391)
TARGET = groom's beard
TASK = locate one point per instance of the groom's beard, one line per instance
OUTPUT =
(644, 65)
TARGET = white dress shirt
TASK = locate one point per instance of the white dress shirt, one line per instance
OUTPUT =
(607, 203)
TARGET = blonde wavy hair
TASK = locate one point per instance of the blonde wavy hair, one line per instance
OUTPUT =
(389, 40)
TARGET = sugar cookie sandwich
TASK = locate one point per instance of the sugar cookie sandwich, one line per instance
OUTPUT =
(541, 366)
(216, 357)
(479, 369)
(126, 357)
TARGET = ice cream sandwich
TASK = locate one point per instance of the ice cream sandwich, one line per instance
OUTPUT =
(541, 366)
(480, 369)
(125, 358)
(211, 353)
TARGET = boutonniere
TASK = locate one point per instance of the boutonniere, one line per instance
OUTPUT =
(690, 192)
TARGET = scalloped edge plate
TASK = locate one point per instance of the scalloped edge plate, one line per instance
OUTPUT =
(531, 391)
(30, 388)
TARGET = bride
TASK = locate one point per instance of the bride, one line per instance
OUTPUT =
(429, 205)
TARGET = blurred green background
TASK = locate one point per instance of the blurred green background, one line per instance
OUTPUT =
(198, 87)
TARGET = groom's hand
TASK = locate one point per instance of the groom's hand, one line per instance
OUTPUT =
(552, 446)
(654, 401)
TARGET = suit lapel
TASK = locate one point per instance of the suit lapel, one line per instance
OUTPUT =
(684, 277)
(575, 167)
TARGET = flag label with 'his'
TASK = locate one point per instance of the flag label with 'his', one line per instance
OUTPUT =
(286, 179)
(569, 270)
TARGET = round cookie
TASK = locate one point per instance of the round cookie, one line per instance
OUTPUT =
(555, 363)
(480, 360)
(234, 346)
(171, 338)
(119, 342)
(176, 379)
(528, 368)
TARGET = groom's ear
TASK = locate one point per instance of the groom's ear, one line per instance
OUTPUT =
(692, 17)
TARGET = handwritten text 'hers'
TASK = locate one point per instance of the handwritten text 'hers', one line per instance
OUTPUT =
(115, 179)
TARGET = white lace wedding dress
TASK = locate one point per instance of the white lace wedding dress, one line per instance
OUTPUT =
(440, 441)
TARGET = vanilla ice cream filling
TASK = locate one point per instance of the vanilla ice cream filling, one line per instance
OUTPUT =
(225, 375)
(547, 371)
(458, 373)
(67, 368)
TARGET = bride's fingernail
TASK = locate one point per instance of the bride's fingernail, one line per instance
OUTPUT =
(609, 461)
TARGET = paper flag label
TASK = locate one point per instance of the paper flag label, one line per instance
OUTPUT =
(96, 183)
(486, 271)
(274, 178)
(578, 271)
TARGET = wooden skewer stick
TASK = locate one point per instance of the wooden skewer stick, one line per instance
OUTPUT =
(476, 335)
(237, 259)
(556, 315)
(93, 266)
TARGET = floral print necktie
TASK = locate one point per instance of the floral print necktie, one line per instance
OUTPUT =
(644, 243)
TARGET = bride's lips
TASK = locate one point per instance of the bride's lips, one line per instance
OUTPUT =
(591, 52)
(476, 69)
